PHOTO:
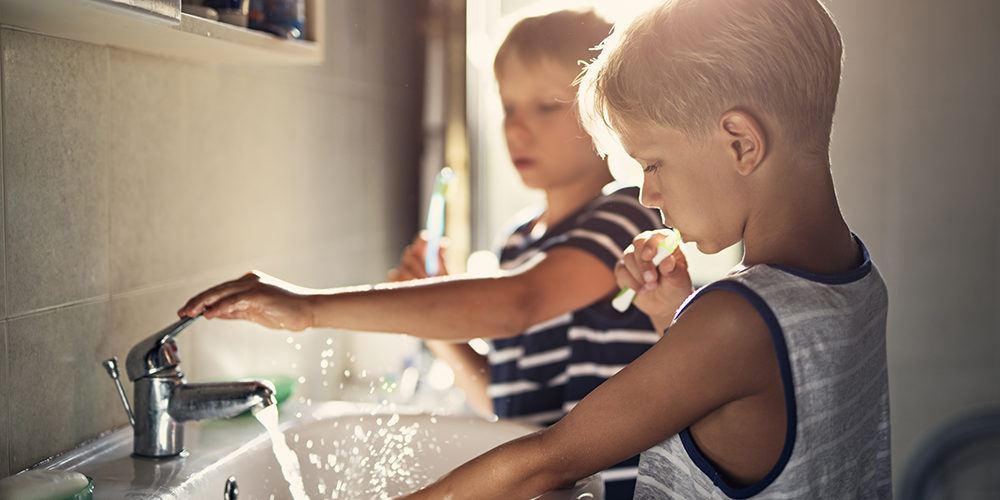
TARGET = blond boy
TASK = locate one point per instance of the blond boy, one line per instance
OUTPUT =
(770, 383)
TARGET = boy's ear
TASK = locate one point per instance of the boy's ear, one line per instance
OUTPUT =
(747, 141)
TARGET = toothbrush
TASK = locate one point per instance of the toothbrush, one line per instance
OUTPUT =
(663, 250)
(435, 220)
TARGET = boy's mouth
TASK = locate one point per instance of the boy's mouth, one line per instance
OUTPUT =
(522, 163)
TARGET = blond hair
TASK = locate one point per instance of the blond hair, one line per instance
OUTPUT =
(566, 37)
(686, 62)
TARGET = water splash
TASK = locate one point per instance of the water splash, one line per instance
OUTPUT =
(289, 462)
(367, 461)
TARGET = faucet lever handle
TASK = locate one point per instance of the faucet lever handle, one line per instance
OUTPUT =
(111, 365)
(157, 352)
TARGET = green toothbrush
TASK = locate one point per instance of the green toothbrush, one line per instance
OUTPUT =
(663, 250)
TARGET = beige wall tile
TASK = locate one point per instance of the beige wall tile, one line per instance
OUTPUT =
(55, 170)
(59, 394)
(4, 404)
(151, 204)
(3, 246)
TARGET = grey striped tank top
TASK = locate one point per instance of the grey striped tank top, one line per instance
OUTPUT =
(829, 334)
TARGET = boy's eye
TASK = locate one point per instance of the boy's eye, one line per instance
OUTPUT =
(548, 108)
(651, 167)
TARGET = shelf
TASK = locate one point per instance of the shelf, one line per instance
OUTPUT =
(180, 36)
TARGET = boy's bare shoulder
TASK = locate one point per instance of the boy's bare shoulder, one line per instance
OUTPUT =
(723, 329)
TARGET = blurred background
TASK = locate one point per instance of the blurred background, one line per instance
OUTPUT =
(134, 176)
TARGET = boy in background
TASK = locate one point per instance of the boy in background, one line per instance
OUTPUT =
(771, 382)
(538, 375)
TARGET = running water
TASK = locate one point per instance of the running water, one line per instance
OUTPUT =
(268, 417)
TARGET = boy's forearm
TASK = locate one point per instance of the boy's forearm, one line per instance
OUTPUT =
(517, 469)
(451, 309)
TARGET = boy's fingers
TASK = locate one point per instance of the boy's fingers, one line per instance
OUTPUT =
(413, 265)
(625, 278)
(645, 271)
(633, 266)
(204, 300)
(653, 241)
(676, 262)
(420, 241)
(232, 306)
(647, 245)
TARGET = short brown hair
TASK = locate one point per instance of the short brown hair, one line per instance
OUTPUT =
(566, 37)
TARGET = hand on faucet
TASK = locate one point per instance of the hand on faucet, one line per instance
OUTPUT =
(256, 297)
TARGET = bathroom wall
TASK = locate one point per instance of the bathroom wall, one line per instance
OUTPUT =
(915, 164)
(131, 182)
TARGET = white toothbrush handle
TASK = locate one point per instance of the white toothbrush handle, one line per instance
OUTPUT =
(623, 299)
(663, 250)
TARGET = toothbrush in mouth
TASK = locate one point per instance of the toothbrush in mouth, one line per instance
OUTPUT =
(663, 250)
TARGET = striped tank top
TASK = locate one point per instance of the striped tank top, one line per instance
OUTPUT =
(541, 374)
(829, 335)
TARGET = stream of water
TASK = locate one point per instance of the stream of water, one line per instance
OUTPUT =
(290, 468)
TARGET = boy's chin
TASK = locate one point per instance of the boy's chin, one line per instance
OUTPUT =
(531, 181)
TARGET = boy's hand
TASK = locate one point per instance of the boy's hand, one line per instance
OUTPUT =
(256, 297)
(660, 290)
(411, 264)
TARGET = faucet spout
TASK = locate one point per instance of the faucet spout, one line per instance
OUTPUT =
(220, 399)
(163, 400)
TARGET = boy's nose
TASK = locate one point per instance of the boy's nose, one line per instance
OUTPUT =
(516, 131)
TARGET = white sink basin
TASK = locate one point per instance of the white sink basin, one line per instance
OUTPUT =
(345, 450)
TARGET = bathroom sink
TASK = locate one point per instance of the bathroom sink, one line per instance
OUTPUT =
(344, 450)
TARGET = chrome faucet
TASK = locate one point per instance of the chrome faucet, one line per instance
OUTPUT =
(163, 401)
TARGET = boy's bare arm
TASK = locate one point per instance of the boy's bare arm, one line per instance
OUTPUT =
(712, 357)
(564, 280)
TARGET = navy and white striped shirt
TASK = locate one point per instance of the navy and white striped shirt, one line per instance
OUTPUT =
(541, 374)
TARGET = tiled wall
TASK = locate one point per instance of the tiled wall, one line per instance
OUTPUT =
(917, 175)
(130, 182)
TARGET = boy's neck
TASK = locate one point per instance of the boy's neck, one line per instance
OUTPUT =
(797, 223)
(565, 200)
